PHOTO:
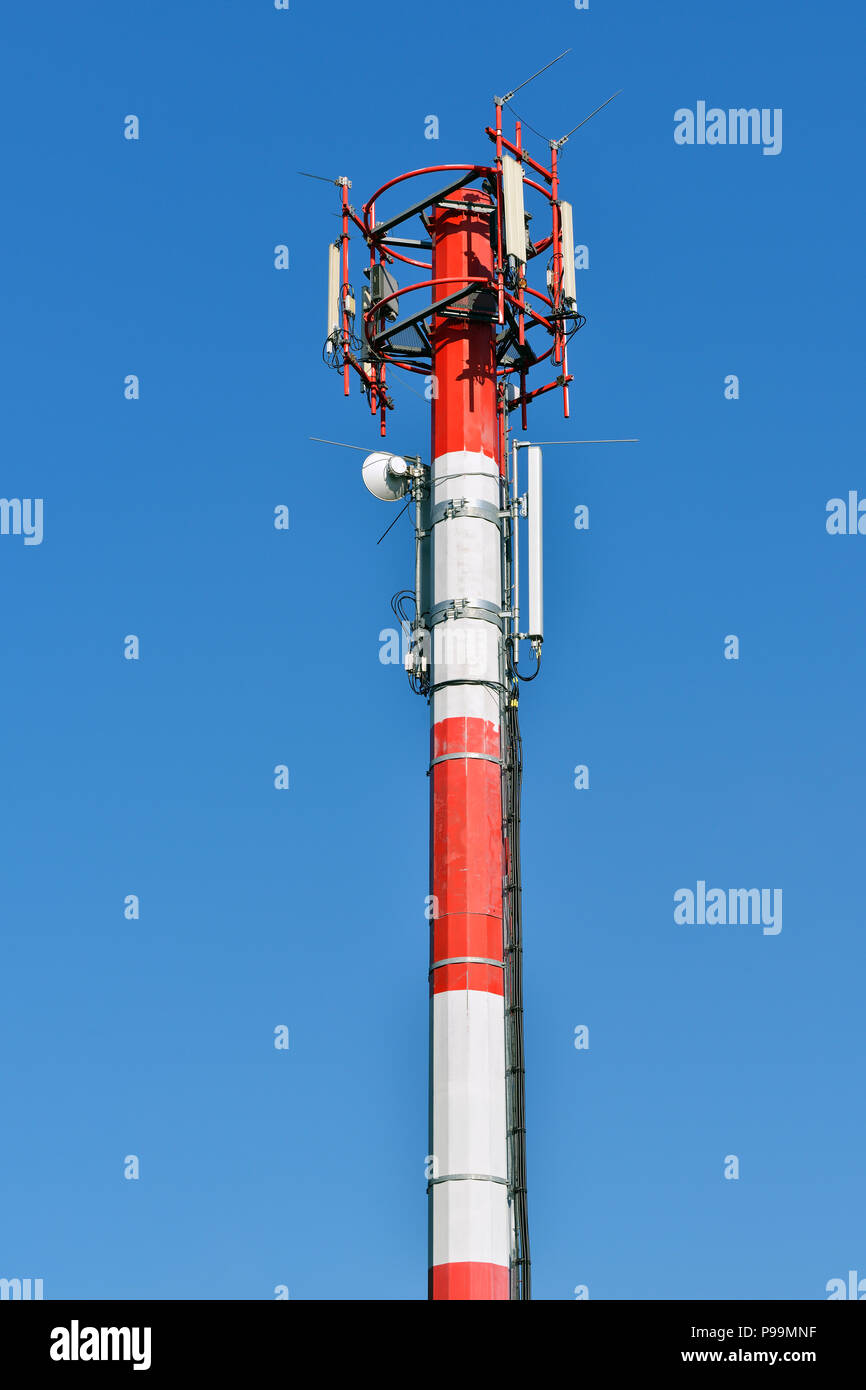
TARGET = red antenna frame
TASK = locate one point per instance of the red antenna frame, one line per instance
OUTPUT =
(503, 297)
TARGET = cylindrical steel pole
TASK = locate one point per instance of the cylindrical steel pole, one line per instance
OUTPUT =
(470, 1221)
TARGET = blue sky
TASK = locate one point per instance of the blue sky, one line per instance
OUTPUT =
(305, 908)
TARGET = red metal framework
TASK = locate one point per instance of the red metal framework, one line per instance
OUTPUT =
(502, 295)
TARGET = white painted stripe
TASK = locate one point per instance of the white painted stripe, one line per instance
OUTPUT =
(473, 701)
(469, 1082)
(468, 564)
(471, 1221)
(457, 475)
(465, 649)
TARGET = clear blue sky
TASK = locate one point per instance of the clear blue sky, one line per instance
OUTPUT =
(305, 908)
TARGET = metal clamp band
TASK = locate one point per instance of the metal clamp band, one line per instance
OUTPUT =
(494, 686)
(465, 506)
(468, 960)
(465, 207)
(447, 757)
(466, 1177)
(450, 609)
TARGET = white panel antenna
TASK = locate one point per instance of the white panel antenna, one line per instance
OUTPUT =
(515, 221)
(536, 546)
(569, 286)
(334, 317)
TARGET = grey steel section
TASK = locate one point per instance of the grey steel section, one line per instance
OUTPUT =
(422, 549)
(407, 241)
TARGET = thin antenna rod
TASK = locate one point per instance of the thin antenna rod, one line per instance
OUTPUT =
(320, 177)
(557, 143)
(500, 101)
(412, 458)
(521, 445)
(394, 522)
(339, 443)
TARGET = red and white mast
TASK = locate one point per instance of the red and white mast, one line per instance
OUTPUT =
(469, 338)
(470, 1226)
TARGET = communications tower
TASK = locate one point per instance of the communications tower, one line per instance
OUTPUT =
(469, 322)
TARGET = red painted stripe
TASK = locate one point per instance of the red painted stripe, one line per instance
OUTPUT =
(467, 934)
(486, 978)
(467, 860)
(464, 415)
(466, 820)
(464, 734)
(466, 855)
(464, 1281)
